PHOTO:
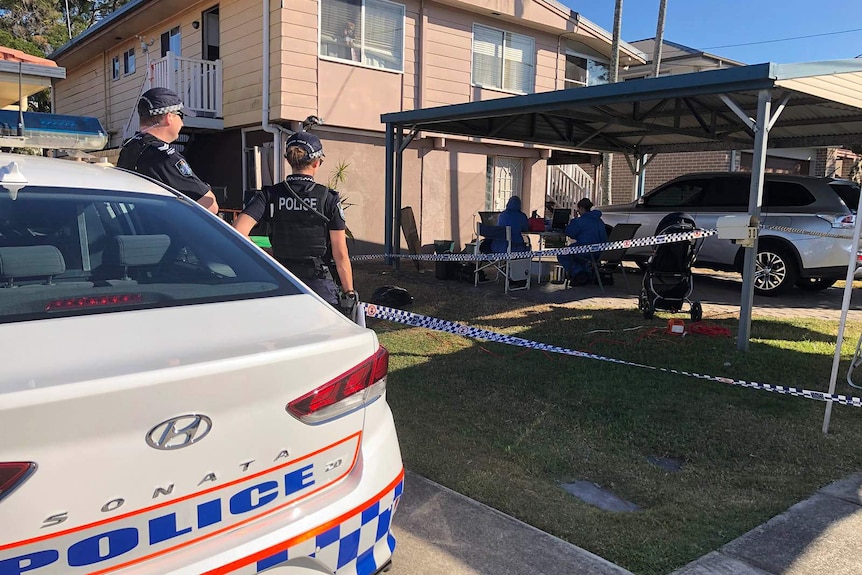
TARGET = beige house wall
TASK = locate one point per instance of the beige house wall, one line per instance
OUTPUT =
(240, 50)
(444, 186)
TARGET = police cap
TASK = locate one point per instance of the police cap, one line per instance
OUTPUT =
(160, 101)
(308, 142)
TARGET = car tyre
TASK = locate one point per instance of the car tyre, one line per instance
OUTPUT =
(774, 270)
(696, 311)
(815, 284)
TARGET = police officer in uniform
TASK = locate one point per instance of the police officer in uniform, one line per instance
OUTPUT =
(307, 225)
(149, 151)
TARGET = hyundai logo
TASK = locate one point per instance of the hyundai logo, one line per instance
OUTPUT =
(179, 432)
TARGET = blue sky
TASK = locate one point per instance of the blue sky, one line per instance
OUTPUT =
(714, 25)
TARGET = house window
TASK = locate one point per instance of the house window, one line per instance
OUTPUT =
(129, 61)
(115, 68)
(370, 32)
(503, 60)
(503, 178)
(583, 71)
(171, 42)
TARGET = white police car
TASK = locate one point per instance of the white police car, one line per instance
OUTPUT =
(172, 401)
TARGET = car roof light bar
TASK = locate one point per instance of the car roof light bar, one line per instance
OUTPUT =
(52, 131)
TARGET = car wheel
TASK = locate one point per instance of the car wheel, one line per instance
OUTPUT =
(696, 311)
(774, 271)
(815, 284)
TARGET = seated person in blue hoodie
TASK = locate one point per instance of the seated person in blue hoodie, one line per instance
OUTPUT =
(514, 218)
(587, 228)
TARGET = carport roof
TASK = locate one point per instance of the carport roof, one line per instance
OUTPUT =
(822, 106)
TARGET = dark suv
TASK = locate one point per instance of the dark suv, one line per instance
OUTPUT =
(784, 259)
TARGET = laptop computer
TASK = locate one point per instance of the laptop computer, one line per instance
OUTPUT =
(489, 218)
(561, 219)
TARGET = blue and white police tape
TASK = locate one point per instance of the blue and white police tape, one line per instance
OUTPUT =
(418, 320)
(575, 249)
(787, 230)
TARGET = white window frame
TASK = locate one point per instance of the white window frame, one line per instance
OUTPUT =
(115, 68)
(504, 178)
(501, 48)
(363, 49)
(129, 57)
(570, 83)
(175, 41)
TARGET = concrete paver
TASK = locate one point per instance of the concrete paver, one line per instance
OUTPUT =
(442, 532)
(818, 536)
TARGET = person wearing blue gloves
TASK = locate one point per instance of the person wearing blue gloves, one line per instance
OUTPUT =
(586, 228)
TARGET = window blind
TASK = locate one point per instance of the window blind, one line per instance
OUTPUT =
(518, 60)
(487, 57)
(384, 34)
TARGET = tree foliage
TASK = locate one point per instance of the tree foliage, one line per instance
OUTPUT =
(38, 27)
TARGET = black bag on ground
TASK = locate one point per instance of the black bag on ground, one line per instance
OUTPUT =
(391, 296)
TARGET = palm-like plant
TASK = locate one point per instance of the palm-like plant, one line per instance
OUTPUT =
(337, 178)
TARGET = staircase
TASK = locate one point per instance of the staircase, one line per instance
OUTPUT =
(568, 183)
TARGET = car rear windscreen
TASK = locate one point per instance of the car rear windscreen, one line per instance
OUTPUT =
(81, 251)
(849, 194)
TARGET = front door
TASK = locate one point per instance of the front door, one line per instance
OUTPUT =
(210, 34)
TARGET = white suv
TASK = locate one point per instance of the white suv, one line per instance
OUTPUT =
(784, 258)
(172, 400)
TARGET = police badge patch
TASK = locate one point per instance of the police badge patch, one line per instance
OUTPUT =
(341, 211)
(184, 168)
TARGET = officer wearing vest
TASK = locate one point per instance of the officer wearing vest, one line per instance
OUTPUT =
(149, 152)
(307, 227)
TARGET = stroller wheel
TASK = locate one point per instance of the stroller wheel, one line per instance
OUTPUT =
(645, 305)
(696, 311)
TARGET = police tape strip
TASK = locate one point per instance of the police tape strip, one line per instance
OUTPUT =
(805, 232)
(575, 249)
(418, 320)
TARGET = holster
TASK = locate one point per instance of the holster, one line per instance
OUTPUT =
(308, 269)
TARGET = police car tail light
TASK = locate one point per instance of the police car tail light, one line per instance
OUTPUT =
(14, 474)
(347, 392)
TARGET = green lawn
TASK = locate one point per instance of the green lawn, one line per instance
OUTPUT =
(508, 426)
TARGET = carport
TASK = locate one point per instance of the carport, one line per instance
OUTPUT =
(750, 107)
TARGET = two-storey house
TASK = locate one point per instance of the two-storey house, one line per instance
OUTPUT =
(254, 70)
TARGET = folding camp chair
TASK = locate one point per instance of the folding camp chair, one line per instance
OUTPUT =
(513, 270)
(606, 261)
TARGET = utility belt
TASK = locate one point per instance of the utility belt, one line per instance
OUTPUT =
(307, 268)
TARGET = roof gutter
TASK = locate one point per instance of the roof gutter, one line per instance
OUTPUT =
(105, 22)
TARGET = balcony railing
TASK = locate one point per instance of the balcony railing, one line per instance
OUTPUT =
(198, 82)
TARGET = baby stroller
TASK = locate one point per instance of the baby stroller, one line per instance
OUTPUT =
(667, 280)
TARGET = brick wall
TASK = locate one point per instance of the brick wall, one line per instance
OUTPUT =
(663, 168)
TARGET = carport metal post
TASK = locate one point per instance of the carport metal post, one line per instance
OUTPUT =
(389, 196)
(845, 305)
(396, 232)
(755, 201)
